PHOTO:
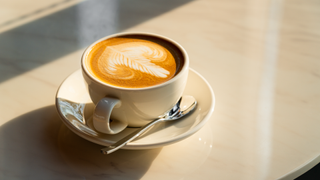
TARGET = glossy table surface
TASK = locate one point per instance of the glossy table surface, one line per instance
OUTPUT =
(261, 58)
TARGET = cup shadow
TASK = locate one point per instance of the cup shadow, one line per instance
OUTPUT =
(39, 142)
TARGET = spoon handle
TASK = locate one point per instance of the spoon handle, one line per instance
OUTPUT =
(129, 138)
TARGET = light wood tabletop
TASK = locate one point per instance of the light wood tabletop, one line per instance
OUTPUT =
(261, 58)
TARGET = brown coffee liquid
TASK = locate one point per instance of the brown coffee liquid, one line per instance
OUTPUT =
(134, 61)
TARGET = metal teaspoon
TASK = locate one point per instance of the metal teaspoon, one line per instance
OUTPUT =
(185, 105)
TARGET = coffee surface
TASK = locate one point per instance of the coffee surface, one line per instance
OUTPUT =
(134, 61)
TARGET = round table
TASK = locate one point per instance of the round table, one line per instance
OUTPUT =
(261, 59)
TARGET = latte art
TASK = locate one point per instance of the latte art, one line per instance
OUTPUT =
(134, 56)
(134, 61)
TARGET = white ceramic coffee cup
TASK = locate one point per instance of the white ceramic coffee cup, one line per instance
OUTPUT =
(133, 107)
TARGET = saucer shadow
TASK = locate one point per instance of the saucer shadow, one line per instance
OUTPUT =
(39, 142)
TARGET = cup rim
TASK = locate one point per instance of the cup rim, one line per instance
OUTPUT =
(185, 66)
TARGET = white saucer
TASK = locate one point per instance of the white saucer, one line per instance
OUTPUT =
(75, 109)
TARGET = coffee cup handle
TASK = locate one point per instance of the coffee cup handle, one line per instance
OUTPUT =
(101, 116)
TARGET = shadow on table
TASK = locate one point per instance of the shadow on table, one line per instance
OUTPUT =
(37, 145)
(46, 39)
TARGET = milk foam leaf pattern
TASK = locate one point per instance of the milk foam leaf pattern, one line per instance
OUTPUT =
(138, 57)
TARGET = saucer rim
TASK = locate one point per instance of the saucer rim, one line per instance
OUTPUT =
(133, 145)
